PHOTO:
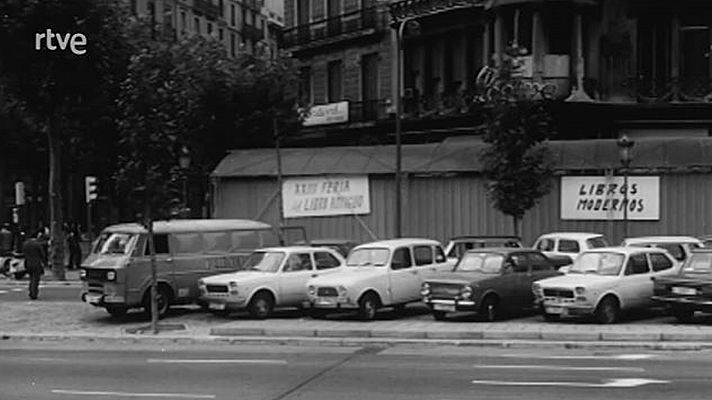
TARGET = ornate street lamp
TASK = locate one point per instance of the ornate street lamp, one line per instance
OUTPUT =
(413, 28)
(625, 150)
(184, 163)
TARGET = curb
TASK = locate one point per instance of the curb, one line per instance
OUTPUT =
(354, 342)
(474, 335)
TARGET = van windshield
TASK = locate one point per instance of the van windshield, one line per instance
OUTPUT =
(265, 261)
(368, 256)
(115, 243)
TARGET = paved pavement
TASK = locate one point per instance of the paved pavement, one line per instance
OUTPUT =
(54, 371)
(71, 279)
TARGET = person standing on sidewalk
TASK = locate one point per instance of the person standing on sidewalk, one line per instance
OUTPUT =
(35, 262)
(75, 252)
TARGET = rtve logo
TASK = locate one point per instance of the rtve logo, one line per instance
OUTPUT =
(73, 40)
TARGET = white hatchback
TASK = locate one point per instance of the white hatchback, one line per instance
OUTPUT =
(270, 277)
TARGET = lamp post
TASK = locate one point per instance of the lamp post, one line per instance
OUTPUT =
(625, 147)
(184, 163)
(400, 28)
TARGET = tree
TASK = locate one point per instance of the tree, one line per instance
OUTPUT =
(517, 163)
(58, 90)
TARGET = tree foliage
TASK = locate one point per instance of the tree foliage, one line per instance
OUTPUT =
(517, 163)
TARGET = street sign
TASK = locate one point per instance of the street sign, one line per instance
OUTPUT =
(90, 188)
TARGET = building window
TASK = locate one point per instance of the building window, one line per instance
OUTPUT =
(196, 23)
(232, 15)
(183, 21)
(221, 34)
(210, 28)
(168, 15)
(335, 81)
(305, 85)
(244, 16)
(369, 85)
(232, 44)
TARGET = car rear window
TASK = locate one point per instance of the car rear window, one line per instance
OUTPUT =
(569, 246)
(596, 242)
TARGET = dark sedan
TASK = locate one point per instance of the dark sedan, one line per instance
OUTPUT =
(489, 281)
(690, 290)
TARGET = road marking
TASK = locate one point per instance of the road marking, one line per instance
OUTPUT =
(213, 361)
(17, 290)
(3, 291)
(561, 368)
(626, 357)
(127, 394)
(609, 383)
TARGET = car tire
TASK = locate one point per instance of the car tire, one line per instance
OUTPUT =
(5, 269)
(368, 306)
(608, 311)
(260, 306)
(683, 314)
(439, 315)
(491, 310)
(117, 311)
(163, 298)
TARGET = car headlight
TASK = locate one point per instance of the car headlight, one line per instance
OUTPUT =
(233, 287)
(342, 291)
(425, 289)
(83, 274)
(311, 290)
(466, 292)
(111, 276)
(579, 290)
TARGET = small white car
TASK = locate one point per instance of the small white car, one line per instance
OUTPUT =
(386, 273)
(270, 277)
(603, 282)
(569, 244)
(680, 247)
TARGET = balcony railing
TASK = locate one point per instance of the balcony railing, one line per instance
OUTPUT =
(642, 90)
(207, 8)
(332, 27)
(411, 8)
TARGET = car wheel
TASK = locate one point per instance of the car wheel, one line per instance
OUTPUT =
(5, 269)
(367, 307)
(439, 315)
(163, 301)
(490, 310)
(260, 306)
(683, 314)
(117, 311)
(608, 310)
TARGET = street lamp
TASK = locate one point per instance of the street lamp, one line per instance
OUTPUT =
(414, 27)
(184, 163)
(625, 149)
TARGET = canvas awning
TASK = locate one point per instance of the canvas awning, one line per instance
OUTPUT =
(460, 155)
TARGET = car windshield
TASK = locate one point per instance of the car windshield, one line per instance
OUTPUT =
(601, 263)
(115, 243)
(265, 261)
(486, 263)
(699, 263)
(368, 256)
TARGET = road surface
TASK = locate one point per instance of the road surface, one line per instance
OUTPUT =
(57, 371)
(48, 292)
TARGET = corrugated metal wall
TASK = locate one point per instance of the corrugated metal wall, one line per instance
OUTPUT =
(441, 207)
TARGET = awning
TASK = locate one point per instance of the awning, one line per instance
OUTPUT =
(499, 3)
(461, 155)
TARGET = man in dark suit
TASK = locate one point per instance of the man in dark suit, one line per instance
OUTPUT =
(35, 262)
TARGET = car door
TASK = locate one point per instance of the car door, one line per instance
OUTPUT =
(662, 265)
(296, 271)
(404, 280)
(519, 281)
(635, 285)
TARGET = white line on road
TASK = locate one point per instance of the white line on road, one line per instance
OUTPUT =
(626, 357)
(213, 361)
(561, 368)
(610, 383)
(127, 394)
(18, 289)
(3, 291)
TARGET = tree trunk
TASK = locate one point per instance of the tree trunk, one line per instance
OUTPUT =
(154, 272)
(56, 248)
(515, 225)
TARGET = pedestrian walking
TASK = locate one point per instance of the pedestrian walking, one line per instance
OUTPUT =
(35, 262)
(75, 251)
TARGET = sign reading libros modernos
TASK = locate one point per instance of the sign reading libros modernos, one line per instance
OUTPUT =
(325, 195)
(603, 197)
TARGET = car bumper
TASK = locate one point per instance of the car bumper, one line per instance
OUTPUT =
(566, 309)
(702, 304)
(450, 305)
(103, 300)
(223, 303)
(330, 303)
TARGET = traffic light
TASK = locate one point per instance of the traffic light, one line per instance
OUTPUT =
(90, 188)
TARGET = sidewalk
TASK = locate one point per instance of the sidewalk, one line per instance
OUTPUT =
(71, 279)
(78, 321)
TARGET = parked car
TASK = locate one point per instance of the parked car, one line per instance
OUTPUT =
(458, 245)
(563, 247)
(490, 281)
(690, 290)
(270, 277)
(604, 282)
(706, 240)
(386, 273)
(343, 246)
(680, 247)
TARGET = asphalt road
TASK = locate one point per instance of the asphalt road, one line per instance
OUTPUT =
(60, 371)
(15, 292)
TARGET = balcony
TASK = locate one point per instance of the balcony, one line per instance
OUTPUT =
(349, 23)
(252, 33)
(207, 8)
(421, 8)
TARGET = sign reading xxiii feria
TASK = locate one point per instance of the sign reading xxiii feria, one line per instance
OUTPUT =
(325, 195)
(603, 197)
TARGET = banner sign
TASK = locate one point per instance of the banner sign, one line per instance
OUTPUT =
(325, 195)
(603, 197)
(333, 113)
